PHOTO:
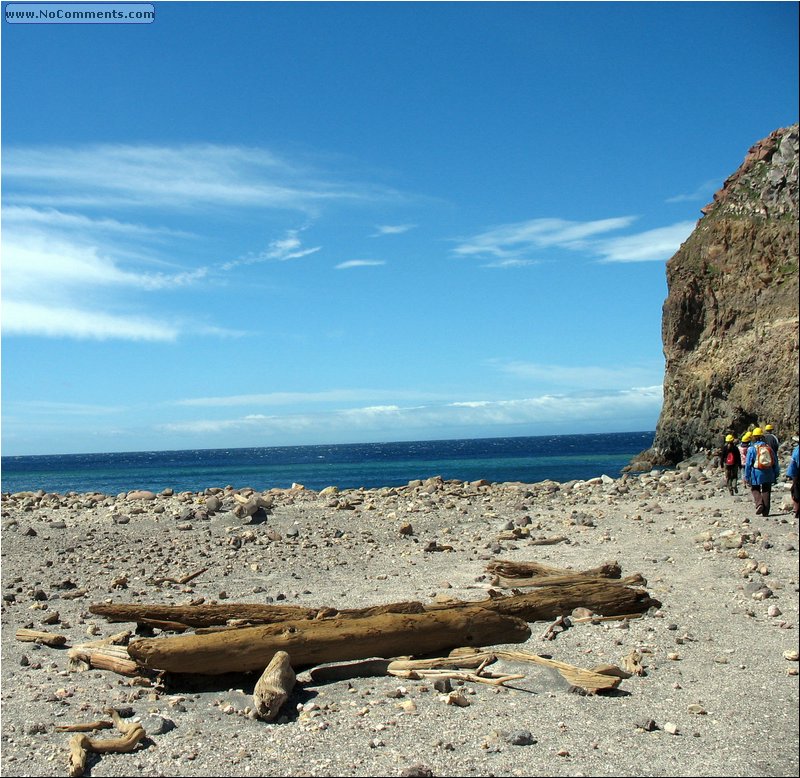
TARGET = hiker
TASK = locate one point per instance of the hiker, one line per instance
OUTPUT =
(731, 460)
(761, 471)
(793, 472)
(743, 446)
(771, 438)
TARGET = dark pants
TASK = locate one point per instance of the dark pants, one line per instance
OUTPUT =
(761, 497)
(796, 496)
(732, 478)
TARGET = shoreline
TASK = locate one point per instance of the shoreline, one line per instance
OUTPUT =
(727, 581)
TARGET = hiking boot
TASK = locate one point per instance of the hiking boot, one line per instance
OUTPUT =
(759, 511)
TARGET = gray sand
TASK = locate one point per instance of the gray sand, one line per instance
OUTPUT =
(719, 695)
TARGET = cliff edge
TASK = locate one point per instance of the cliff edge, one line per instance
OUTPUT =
(730, 320)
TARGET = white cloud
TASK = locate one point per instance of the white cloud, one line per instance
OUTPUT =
(652, 245)
(505, 264)
(30, 318)
(359, 263)
(279, 250)
(61, 284)
(299, 398)
(592, 376)
(392, 229)
(510, 244)
(705, 190)
(178, 177)
(391, 419)
(513, 241)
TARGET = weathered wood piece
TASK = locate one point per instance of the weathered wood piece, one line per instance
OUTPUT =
(81, 745)
(520, 574)
(40, 636)
(602, 678)
(328, 640)
(103, 657)
(545, 603)
(220, 614)
(274, 687)
(91, 726)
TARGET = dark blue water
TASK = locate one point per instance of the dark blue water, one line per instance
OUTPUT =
(371, 465)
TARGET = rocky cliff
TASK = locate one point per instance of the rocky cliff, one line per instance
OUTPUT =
(730, 320)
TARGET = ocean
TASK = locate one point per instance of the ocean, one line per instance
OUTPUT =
(349, 466)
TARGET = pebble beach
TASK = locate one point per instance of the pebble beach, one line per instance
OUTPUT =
(718, 689)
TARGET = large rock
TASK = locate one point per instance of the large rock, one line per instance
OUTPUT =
(730, 320)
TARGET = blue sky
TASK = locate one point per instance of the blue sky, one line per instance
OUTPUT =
(257, 224)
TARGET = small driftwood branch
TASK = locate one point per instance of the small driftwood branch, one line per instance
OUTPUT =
(81, 745)
(548, 541)
(91, 726)
(274, 687)
(455, 675)
(40, 636)
(583, 619)
(182, 580)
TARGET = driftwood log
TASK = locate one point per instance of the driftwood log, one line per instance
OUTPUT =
(327, 640)
(39, 636)
(273, 687)
(185, 616)
(523, 574)
(81, 745)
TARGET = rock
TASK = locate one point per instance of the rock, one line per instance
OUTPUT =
(141, 494)
(744, 249)
(521, 738)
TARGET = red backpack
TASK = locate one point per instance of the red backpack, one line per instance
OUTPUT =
(730, 459)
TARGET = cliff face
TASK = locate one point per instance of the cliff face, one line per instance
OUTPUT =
(730, 320)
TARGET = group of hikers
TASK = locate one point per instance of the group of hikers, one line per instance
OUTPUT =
(757, 453)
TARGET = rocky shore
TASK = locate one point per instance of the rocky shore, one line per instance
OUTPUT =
(718, 694)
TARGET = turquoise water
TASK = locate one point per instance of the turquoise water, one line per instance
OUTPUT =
(369, 465)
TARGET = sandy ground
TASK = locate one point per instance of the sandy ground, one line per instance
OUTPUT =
(719, 695)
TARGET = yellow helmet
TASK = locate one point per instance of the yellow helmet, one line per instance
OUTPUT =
(729, 438)
(768, 428)
(757, 432)
(746, 437)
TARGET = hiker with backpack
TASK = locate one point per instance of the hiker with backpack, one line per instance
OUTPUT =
(793, 472)
(731, 460)
(744, 445)
(771, 438)
(761, 471)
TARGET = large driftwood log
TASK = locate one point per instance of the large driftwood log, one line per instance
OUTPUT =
(545, 603)
(214, 615)
(328, 640)
(274, 687)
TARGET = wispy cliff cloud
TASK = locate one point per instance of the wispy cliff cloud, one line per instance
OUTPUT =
(703, 192)
(648, 246)
(511, 245)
